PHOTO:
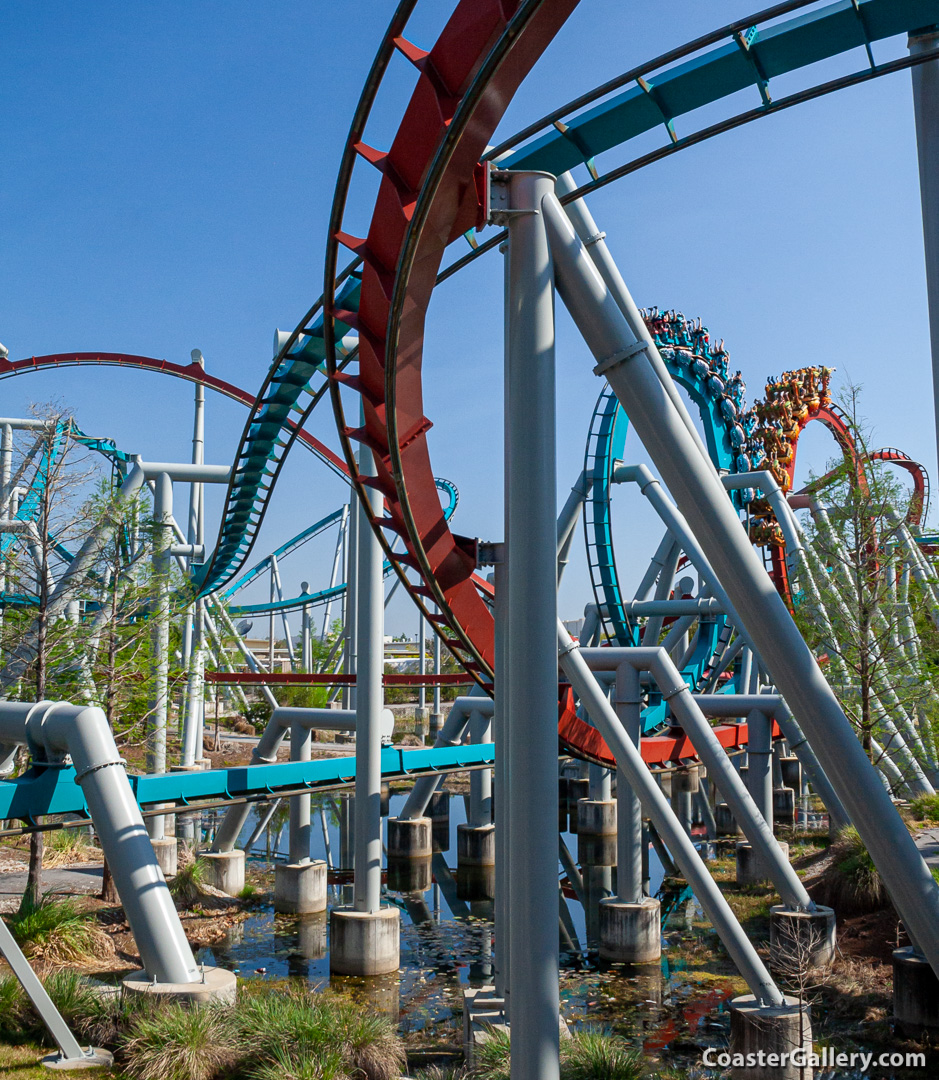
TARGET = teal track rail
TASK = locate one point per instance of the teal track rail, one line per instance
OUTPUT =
(54, 791)
(294, 385)
(751, 59)
(323, 595)
(30, 505)
(701, 369)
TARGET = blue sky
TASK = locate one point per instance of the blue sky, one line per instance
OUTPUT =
(166, 182)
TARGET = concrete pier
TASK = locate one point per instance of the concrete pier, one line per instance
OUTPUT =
(915, 995)
(596, 817)
(476, 845)
(225, 870)
(216, 986)
(750, 867)
(801, 939)
(410, 838)
(630, 933)
(364, 942)
(300, 888)
(772, 1029)
(167, 855)
(725, 821)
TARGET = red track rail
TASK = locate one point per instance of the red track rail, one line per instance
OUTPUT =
(194, 373)
(289, 678)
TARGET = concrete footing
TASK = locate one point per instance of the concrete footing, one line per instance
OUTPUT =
(685, 781)
(166, 855)
(225, 870)
(93, 1058)
(476, 845)
(915, 994)
(300, 888)
(597, 817)
(215, 984)
(790, 768)
(593, 850)
(630, 933)
(410, 838)
(784, 807)
(725, 822)
(409, 875)
(801, 940)
(750, 867)
(577, 788)
(773, 1030)
(364, 942)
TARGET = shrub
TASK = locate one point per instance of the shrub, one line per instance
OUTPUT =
(926, 808)
(188, 886)
(59, 932)
(176, 1043)
(297, 1031)
(65, 846)
(589, 1054)
(14, 1007)
(851, 884)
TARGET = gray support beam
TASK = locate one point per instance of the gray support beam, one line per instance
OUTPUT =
(624, 359)
(531, 549)
(369, 697)
(654, 803)
(925, 78)
(627, 702)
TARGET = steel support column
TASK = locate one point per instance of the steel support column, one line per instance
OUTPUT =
(368, 705)
(531, 550)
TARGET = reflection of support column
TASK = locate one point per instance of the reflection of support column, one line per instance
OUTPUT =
(926, 115)
(531, 548)
(624, 358)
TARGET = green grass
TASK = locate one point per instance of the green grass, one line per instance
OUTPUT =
(62, 847)
(188, 886)
(70, 992)
(852, 884)
(176, 1043)
(270, 1034)
(300, 1028)
(589, 1054)
(59, 932)
(926, 808)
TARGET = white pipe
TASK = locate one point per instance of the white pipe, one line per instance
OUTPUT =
(54, 729)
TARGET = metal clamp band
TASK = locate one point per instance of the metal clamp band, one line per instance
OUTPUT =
(620, 357)
(667, 696)
(97, 768)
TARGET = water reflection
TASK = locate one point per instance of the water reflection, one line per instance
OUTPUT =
(447, 930)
